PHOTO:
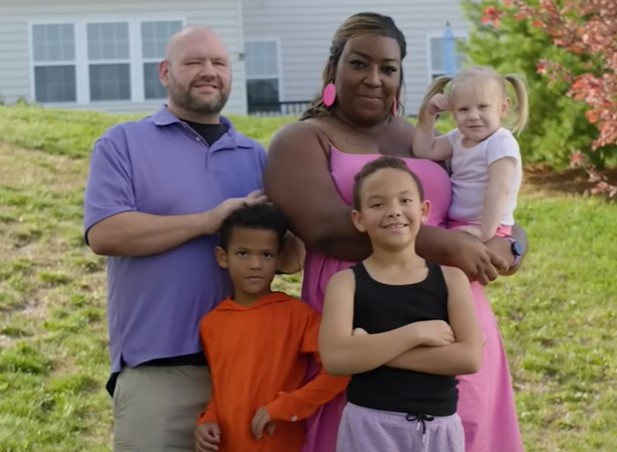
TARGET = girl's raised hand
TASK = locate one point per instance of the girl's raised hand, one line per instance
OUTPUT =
(437, 104)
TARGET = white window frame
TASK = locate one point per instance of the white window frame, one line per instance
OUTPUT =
(429, 57)
(279, 57)
(34, 64)
(82, 62)
(130, 59)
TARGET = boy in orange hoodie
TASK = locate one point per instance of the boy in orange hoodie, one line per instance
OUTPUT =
(258, 345)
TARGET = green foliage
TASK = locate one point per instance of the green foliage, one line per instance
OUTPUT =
(557, 124)
(557, 316)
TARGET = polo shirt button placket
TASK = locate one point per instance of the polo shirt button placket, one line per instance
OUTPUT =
(207, 148)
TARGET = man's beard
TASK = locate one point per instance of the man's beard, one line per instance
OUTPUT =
(185, 99)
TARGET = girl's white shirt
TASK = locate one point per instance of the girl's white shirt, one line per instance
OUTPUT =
(470, 175)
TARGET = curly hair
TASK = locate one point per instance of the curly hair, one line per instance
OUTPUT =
(263, 217)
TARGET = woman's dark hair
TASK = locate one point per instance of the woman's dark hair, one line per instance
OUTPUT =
(385, 162)
(357, 25)
(257, 216)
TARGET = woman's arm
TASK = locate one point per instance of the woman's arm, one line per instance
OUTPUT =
(291, 258)
(457, 249)
(297, 179)
(345, 354)
(464, 356)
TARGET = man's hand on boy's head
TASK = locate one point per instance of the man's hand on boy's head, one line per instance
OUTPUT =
(262, 420)
(207, 437)
(224, 209)
(473, 257)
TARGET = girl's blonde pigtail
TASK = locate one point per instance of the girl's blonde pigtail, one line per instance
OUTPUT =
(437, 87)
(522, 101)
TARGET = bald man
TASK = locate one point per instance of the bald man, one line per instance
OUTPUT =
(157, 192)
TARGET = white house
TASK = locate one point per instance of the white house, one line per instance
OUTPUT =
(104, 55)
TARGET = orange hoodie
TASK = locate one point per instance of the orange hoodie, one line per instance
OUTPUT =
(258, 356)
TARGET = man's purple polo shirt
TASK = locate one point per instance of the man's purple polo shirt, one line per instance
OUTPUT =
(159, 165)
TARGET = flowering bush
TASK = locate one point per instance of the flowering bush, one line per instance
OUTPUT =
(529, 37)
(583, 28)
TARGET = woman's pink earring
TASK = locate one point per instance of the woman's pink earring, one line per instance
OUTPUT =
(395, 107)
(329, 95)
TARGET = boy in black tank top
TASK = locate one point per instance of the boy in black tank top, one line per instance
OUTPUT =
(401, 326)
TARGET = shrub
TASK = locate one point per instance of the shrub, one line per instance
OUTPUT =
(558, 127)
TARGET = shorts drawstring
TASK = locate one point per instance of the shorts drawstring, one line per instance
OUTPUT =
(420, 418)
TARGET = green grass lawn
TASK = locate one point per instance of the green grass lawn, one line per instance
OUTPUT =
(557, 314)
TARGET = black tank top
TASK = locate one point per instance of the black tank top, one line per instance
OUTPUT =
(382, 307)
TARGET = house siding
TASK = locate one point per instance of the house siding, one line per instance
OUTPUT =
(305, 28)
(15, 18)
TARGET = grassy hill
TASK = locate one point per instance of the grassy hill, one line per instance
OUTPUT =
(557, 314)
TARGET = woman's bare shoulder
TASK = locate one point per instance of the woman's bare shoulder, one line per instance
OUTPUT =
(397, 138)
(403, 127)
(299, 132)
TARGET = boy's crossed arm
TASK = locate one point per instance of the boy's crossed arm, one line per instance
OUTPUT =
(304, 401)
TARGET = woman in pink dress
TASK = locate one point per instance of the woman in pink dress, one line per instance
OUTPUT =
(309, 175)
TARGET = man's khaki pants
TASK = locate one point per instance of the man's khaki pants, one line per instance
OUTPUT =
(156, 408)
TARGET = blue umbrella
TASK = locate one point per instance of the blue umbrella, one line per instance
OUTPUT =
(448, 53)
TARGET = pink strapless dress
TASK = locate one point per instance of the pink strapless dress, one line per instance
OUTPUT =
(486, 400)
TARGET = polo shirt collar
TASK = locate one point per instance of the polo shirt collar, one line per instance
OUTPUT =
(163, 117)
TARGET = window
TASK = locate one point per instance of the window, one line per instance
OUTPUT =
(99, 61)
(437, 63)
(262, 76)
(109, 71)
(53, 56)
(154, 38)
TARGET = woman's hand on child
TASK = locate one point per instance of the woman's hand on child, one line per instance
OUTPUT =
(476, 260)
(501, 247)
(262, 420)
(207, 437)
(437, 104)
(433, 333)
